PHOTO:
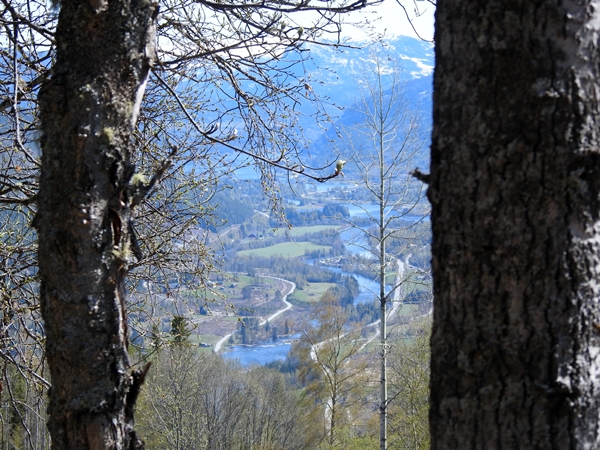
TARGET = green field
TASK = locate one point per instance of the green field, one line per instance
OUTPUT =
(408, 309)
(245, 280)
(201, 293)
(412, 283)
(285, 249)
(300, 231)
(312, 292)
(208, 338)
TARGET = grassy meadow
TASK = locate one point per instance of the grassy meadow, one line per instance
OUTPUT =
(285, 249)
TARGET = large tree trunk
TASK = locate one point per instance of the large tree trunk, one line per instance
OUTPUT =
(515, 181)
(88, 111)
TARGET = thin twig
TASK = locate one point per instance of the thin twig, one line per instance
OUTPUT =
(225, 143)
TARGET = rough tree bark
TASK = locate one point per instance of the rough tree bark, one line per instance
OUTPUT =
(88, 111)
(515, 183)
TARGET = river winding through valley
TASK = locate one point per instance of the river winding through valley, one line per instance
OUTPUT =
(266, 352)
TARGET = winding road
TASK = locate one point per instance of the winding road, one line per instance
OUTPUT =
(276, 314)
(397, 302)
(396, 305)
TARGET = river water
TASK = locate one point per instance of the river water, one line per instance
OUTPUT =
(267, 352)
(355, 242)
(260, 354)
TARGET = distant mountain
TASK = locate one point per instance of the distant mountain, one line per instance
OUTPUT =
(334, 72)
(337, 75)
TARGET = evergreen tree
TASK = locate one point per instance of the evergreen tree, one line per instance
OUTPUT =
(287, 327)
(244, 334)
(180, 331)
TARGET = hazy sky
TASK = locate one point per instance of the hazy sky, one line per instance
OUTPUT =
(390, 18)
